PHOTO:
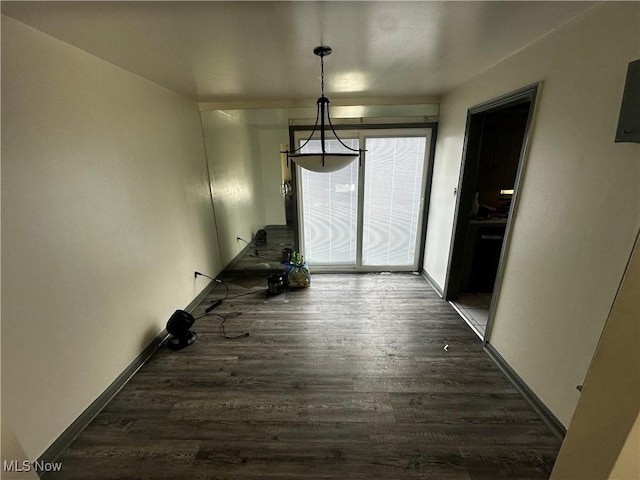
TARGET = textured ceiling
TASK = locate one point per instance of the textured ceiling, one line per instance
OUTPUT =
(260, 53)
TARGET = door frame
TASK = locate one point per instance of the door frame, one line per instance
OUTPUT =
(429, 152)
(466, 190)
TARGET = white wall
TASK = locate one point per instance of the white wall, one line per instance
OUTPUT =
(579, 208)
(627, 464)
(442, 203)
(106, 214)
(235, 168)
(12, 451)
(270, 141)
(602, 437)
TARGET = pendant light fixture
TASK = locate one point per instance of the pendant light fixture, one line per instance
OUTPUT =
(323, 161)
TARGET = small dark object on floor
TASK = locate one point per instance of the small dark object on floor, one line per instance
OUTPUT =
(213, 305)
(261, 238)
(275, 284)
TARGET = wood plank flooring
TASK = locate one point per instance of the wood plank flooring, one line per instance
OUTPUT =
(268, 257)
(348, 379)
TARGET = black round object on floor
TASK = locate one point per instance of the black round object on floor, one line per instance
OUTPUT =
(275, 284)
(178, 343)
(260, 238)
(178, 326)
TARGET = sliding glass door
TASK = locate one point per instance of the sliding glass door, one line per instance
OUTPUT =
(393, 197)
(366, 217)
(329, 210)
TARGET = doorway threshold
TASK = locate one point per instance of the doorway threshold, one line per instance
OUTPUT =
(474, 310)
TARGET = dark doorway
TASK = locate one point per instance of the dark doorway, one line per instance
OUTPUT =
(495, 143)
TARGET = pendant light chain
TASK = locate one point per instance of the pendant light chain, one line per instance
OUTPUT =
(322, 74)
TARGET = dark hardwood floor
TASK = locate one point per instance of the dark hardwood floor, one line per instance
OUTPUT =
(265, 258)
(348, 379)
